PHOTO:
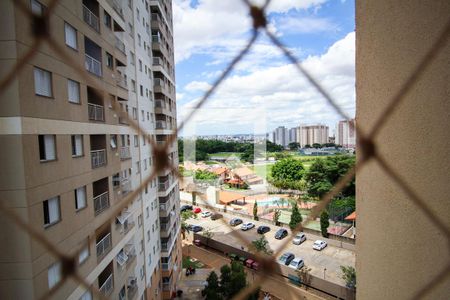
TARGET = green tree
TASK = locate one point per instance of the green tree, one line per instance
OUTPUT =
(287, 172)
(349, 276)
(248, 155)
(205, 175)
(316, 145)
(208, 234)
(225, 279)
(212, 290)
(185, 215)
(255, 211)
(307, 146)
(294, 146)
(296, 216)
(238, 279)
(261, 245)
(324, 223)
(276, 216)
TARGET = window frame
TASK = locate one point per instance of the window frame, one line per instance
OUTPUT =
(41, 145)
(79, 91)
(51, 82)
(72, 140)
(77, 207)
(51, 223)
(67, 25)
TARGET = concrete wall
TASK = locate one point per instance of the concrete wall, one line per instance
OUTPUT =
(399, 250)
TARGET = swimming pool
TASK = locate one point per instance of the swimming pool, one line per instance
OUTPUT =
(273, 201)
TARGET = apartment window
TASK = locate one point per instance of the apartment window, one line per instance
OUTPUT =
(130, 29)
(109, 60)
(42, 82)
(133, 85)
(149, 259)
(153, 227)
(71, 36)
(154, 252)
(80, 198)
(137, 13)
(141, 90)
(131, 58)
(140, 65)
(140, 220)
(146, 189)
(147, 212)
(86, 296)
(134, 113)
(145, 163)
(143, 116)
(138, 167)
(73, 91)
(142, 272)
(148, 235)
(136, 141)
(130, 3)
(77, 145)
(148, 116)
(142, 245)
(139, 40)
(52, 212)
(84, 254)
(54, 274)
(37, 8)
(113, 141)
(107, 19)
(144, 140)
(47, 147)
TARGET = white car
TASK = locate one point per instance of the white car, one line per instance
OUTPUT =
(247, 226)
(206, 214)
(319, 245)
(297, 263)
(299, 238)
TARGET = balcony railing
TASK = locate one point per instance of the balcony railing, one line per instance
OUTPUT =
(120, 45)
(91, 19)
(159, 82)
(156, 39)
(162, 186)
(161, 125)
(124, 153)
(121, 81)
(158, 61)
(167, 285)
(107, 286)
(116, 5)
(166, 266)
(125, 186)
(101, 202)
(123, 118)
(160, 103)
(98, 158)
(104, 245)
(93, 65)
(96, 112)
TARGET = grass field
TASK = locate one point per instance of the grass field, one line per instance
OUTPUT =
(188, 262)
(262, 170)
(225, 154)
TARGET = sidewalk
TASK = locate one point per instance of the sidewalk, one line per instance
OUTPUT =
(276, 285)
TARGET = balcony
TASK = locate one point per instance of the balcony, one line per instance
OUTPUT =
(96, 112)
(161, 124)
(158, 61)
(93, 65)
(166, 266)
(121, 81)
(167, 284)
(104, 245)
(117, 6)
(163, 186)
(160, 103)
(124, 153)
(123, 118)
(98, 158)
(107, 287)
(125, 186)
(120, 45)
(91, 19)
(101, 202)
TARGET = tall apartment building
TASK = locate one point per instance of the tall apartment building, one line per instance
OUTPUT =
(292, 135)
(312, 134)
(69, 160)
(281, 136)
(346, 133)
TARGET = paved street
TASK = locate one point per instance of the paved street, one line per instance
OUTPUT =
(330, 258)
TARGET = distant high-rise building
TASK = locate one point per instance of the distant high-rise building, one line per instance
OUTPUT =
(346, 134)
(312, 134)
(292, 135)
(281, 136)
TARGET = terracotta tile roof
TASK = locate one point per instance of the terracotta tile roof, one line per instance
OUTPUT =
(351, 216)
(219, 171)
(227, 197)
(244, 171)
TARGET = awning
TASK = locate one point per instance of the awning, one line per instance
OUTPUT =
(123, 217)
(351, 217)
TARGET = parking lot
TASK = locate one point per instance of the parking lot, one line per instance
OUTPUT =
(325, 263)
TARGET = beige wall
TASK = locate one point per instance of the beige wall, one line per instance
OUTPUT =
(398, 249)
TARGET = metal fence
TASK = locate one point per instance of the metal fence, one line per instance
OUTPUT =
(366, 145)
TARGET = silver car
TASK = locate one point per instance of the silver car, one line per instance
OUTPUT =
(297, 263)
(299, 238)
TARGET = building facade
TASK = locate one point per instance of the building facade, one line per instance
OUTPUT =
(69, 159)
(312, 134)
(346, 133)
(292, 135)
(281, 136)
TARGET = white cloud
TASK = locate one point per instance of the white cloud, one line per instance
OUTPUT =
(283, 93)
(305, 25)
(215, 26)
(197, 86)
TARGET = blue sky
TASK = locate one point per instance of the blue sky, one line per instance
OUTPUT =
(264, 91)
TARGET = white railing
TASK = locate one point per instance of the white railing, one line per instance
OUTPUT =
(93, 65)
(166, 266)
(160, 103)
(95, 112)
(101, 202)
(156, 39)
(98, 158)
(161, 125)
(107, 286)
(161, 143)
(120, 45)
(104, 245)
(124, 153)
(166, 285)
(90, 18)
(125, 186)
(162, 186)
(159, 82)
(157, 61)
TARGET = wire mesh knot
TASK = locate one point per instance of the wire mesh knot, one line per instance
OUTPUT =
(68, 265)
(161, 159)
(367, 148)
(259, 19)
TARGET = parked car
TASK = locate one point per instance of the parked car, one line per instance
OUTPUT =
(247, 226)
(286, 258)
(235, 221)
(216, 216)
(281, 234)
(319, 245)
(196, 228)
(297, 263)
(263, 229)
(185, 207)
(197, 210)
(299, 238)
(206, 214)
